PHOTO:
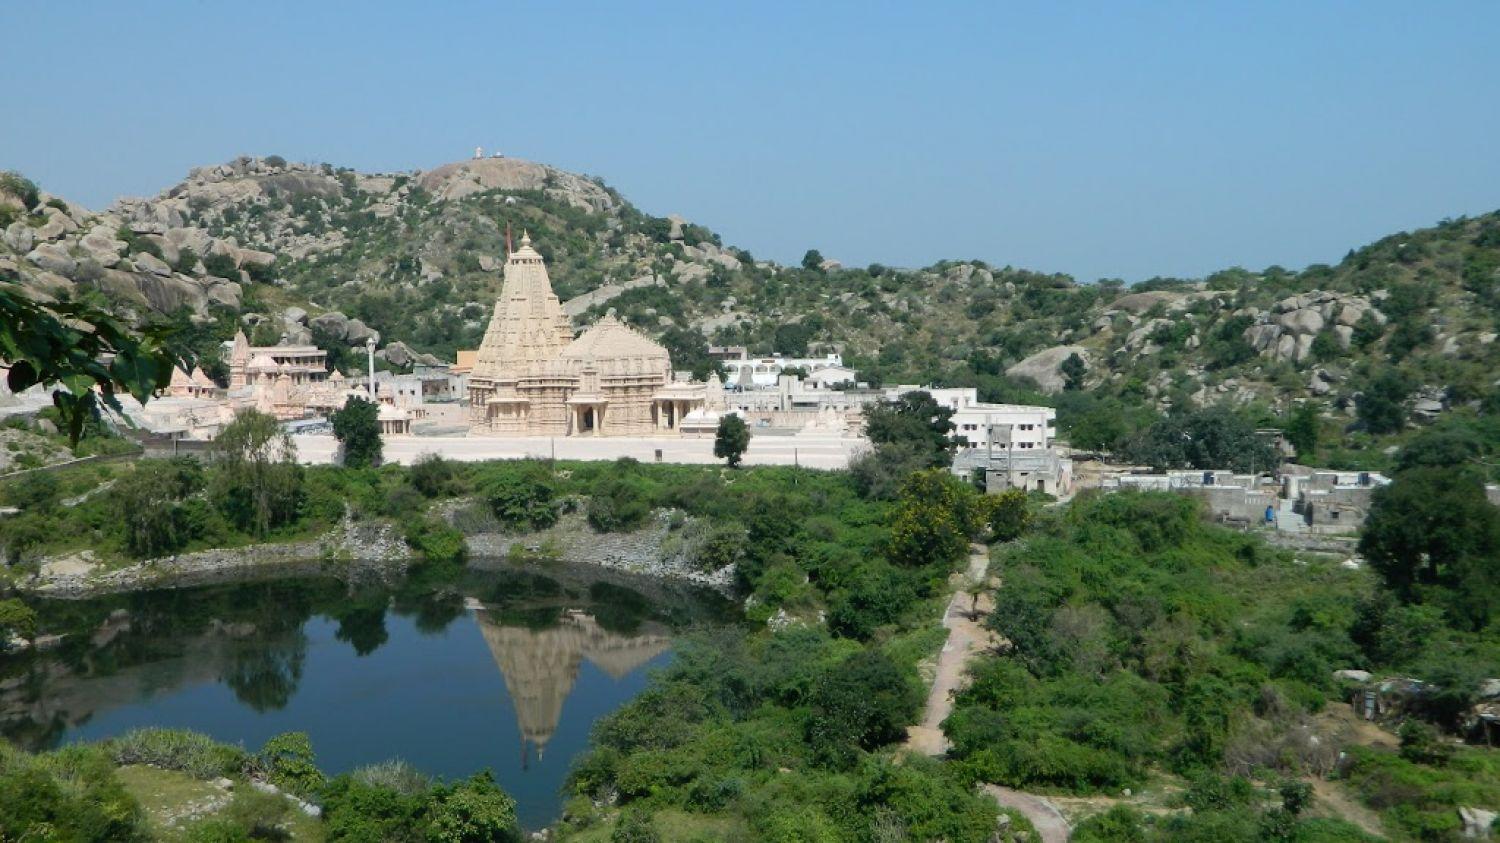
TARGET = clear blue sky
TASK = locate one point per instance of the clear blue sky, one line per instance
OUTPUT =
(1100, 139)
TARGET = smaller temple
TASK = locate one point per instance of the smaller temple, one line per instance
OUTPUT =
(252, 364)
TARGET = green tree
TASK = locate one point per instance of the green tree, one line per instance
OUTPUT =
(149, 503)
(79, 346)
(474, 811)
(16, 619)
(1009, 515)
(915, 418)
(357, 427)
(1302, 430)
(521, 497)
(731, 439)
(1382, 405)
(812, 259)
(1211, 438)
(289, 763)
(1432, 532)
(256, 482)
(864, 702)
(1073, 370)
(933, 521)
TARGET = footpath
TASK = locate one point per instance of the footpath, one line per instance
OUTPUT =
(968, 637)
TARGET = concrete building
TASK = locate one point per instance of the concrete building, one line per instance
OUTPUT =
(745, 372)
(532, 377)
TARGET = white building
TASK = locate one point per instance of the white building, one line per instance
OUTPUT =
(991, 427)
(760, 372)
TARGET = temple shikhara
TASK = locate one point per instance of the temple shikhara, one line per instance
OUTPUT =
(532, 377)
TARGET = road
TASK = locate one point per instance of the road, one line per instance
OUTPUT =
(809, 450)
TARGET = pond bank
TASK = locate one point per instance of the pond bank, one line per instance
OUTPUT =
(377, 547)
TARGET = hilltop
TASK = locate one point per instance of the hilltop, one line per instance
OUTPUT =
(330, 255)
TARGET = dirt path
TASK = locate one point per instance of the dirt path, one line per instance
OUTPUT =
(1044, 816)
(966, 637)
(1340, 803)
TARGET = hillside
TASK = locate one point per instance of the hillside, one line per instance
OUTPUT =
(330, 255)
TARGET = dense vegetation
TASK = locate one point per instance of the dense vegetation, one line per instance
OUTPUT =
(1145, 643)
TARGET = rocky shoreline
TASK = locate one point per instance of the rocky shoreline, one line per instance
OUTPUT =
(364, 546)
(377, 548)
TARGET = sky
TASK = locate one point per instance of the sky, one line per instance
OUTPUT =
(1120, 140)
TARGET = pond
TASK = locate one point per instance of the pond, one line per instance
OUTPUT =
(452, 670)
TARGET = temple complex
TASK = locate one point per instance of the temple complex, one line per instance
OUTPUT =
(532, 377)
(251, 364)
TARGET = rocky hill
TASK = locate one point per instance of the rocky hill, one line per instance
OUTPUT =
(324, 254)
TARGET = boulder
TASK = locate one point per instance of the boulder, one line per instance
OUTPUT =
(255, 257)
(1352, 675)
(298, 334)
(397, 354)
(147, 262)
(294, 315)
(487, 263)
(726, 260)
(102, 245)
(1304, 321)
(1345, 335)
(189, 238)
(356, 332)
(333, 323)
(53, 258)
(227, 294)
(1139, 303)
(19, 237)
(1043, 366)
(1477, 822)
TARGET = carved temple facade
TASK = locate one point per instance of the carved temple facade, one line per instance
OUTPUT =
(533, 377)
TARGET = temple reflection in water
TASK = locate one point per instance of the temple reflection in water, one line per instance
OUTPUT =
(540, 666)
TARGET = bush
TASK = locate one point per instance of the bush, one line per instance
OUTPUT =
(433, 476)
(474, 811)
(521, 497)
(175, 749)
(288, 762)
(619, 504)
(69, 795)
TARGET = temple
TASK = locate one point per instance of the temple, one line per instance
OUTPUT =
(532, 377)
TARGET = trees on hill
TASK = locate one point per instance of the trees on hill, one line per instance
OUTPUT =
(1211, 438)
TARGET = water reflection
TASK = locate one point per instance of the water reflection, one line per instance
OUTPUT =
(422, 669)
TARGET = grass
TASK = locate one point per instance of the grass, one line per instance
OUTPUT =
(176, 804)
(675, 826)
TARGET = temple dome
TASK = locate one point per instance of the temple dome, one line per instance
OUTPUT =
(611, 341)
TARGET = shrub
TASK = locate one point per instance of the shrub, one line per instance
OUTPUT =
(474, 811)
(16, 619)
(522, 497)
(175, 749)
(433, 476)
(619, 504)
(288, 762)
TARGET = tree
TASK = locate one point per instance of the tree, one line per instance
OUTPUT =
(915, 418)
(1432, 532)
(474, 811)
(1302, 430)
(1211, 438)
(149, 503)
(731, 439)
(357, 427)
(257, 482)
(1382, 406)
(1009, 515)
(1073, 369)
(864, 702)
(79, 346)
(934, 520)
(16, 620)
(813, 260)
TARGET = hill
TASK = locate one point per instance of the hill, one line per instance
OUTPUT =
(315, 252)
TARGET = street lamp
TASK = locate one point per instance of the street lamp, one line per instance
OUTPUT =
(370, 350)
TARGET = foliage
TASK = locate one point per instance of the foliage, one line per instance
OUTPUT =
(257, 483)
(865, 703)
(76, 344)
(434, 477)
(1381, 406)
(1433, 534)
(915, 419)
(16, 620)
(619, 504)
(473, 811)
(731, 439)
(174, 749)
(69, 795)
(357, 427)
(1212, 438)
(1009, 514)
(1073, 370)
(521, 496)
(1302, 431)
(289, 763)
(155, 504)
